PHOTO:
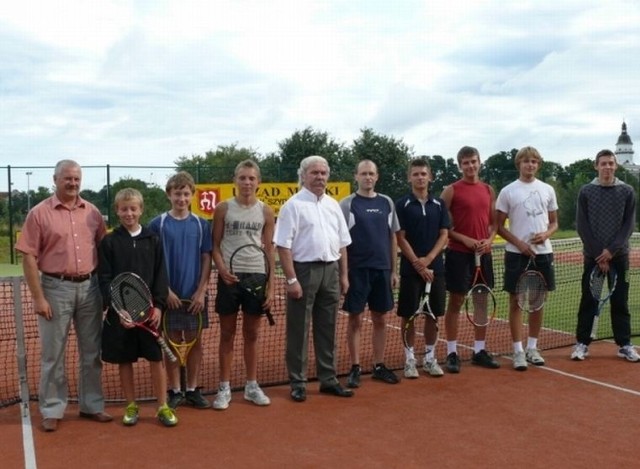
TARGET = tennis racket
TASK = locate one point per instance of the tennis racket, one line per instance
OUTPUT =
(256, 283)
(602, 286)
(417, 322)
(531, 289)
(480, 303)
(131, 299)
(182, 330)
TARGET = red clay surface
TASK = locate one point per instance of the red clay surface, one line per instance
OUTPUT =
(480, 418)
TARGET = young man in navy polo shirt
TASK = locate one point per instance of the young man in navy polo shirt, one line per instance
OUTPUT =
(424, 225)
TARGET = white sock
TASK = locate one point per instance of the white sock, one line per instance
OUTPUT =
(429, 353)
(478, 346)
(532, 342)
(452, 346)
(408, 353)
(251, 384)
(517, 347)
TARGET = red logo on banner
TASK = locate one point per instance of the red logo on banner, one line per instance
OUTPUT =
(207, 200)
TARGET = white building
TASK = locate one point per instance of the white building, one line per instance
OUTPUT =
(624, 151)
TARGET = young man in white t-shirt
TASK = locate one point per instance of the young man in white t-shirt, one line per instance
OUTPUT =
(532, 209)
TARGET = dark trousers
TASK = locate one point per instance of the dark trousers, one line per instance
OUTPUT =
(620, 317)
(319, 306)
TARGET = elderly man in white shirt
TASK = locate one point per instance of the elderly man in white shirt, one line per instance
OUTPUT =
(311, 236)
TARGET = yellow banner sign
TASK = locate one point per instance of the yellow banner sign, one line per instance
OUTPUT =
(207, 196)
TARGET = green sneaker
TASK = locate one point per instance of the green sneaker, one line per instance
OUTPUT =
(130, 414)
(167, 416)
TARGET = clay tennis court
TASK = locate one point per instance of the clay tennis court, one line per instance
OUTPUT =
(566, 414)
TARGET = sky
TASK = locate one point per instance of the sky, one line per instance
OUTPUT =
(145, 82)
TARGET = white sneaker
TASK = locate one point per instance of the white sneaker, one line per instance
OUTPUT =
(410, 370)
(256, 395)
(580, 352)
(534, 357)
(432, 368)
(629, 352)
(520, 361)
(222, 399)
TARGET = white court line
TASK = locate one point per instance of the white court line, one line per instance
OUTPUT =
(27, 437)
(586, 380)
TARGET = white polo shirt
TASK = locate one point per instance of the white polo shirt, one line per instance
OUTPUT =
(312, 227)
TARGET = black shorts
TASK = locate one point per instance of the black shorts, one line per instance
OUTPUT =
(182, 320)
(515, 264)
(122, 345)
(411, 291)
(368, 286)
(460, 268)
(230, 298)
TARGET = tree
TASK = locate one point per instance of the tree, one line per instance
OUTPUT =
(392, 157)
(444, 173)
(216, 165)
(155, 199)
(307, 142)
(499, 169)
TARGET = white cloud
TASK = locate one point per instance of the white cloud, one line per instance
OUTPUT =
(115, 81)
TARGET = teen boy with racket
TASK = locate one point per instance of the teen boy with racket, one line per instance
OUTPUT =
(532, 210)
(134, 248)
(372, 222)
(238, 221)
(186, 243)
(60, 240)
(605, 220)
(471, 205)
(424, 223)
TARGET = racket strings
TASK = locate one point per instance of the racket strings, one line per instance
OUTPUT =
(127, 296)
(531, 291)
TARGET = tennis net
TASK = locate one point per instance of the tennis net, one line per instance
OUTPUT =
(20, 345)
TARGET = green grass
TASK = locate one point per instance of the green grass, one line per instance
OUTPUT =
(10, 270)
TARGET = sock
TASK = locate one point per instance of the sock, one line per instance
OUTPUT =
(251, 383)
(532, 342)
(175, 391)
(452, 346)
(517, 347)
(478, 346)
(408, 353)
(191, 389)
(429, 353)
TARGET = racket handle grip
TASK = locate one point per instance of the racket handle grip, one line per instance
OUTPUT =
(594, 328)
(272, 322)
(167, 350)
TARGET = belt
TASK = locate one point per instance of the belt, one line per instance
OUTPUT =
(315, 262)
(71, 278)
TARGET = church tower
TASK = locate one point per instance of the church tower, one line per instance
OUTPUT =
(624, 147)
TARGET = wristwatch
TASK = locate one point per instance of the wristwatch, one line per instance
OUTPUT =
(291, 281)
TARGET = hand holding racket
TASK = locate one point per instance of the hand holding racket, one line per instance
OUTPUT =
(256, 283)
(531, 289)
(480, 303)
(419, 318)
(602, 285)
(131, 299)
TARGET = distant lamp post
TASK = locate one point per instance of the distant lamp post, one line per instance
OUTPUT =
(28, 173)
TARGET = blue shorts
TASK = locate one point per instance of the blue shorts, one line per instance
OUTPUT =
(368, 286)
(230, 298)
(411, 291)
(515, 264)
(460, 268)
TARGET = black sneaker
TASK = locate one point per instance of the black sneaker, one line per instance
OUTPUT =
(453, 363)
(353, 381)
(174, 399)
(383, 373)
(195, 399)
(482, 358)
